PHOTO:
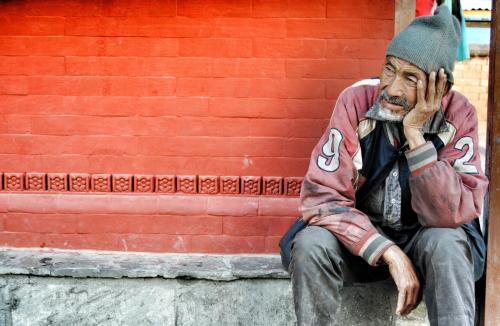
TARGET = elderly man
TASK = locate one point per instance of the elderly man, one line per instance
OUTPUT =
(394, 187)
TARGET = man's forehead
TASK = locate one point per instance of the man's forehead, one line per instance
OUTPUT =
(402, 64)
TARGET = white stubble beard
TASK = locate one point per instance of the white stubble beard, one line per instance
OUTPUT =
(389, 116)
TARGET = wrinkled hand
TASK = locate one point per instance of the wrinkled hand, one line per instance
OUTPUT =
(426, 105)
(405, 277)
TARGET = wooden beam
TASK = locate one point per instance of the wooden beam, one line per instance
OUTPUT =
(492, 305)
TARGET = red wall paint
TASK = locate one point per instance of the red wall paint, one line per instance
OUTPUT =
(176, 223)
(191, 87)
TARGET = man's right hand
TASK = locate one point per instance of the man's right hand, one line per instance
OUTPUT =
(405, 277)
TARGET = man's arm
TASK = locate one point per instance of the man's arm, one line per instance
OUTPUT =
(447, 191)
(328, 192)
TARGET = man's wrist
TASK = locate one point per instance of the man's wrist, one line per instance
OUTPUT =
(414, 136)
(389, 254)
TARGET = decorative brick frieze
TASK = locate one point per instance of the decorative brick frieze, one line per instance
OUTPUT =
(149, 183)
(144, 183)
(101, 182)
(13, 181)
(186, 184)
(230, 185)
(79, 182)
(57, 181)
(35, 181)
(251, 185)
(122, 182)
(165, 183)
(208, 184)
(292, 186)
(272, 186)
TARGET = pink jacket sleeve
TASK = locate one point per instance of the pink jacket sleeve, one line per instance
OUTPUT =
(448, 187)
(328, 191)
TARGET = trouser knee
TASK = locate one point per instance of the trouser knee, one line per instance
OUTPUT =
(313, 248)
(445, 245)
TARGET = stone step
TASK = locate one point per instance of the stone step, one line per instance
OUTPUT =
(65, 287)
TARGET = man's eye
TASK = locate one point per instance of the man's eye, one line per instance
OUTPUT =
(411, 80)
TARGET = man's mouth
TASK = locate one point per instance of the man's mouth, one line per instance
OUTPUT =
(391, 106)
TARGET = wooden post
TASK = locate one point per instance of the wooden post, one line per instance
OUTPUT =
(492, 305)
(404, 14)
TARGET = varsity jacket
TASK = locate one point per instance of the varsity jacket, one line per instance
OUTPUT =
(442, 182)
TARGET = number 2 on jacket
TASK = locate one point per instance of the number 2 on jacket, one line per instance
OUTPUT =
(463, 164)
(330, 159)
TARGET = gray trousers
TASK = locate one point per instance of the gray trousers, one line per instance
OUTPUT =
(442, 257)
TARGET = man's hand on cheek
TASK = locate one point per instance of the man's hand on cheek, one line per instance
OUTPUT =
(426, 106)
(405, 277)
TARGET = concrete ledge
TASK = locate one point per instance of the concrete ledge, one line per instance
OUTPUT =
(110, 264)
(65, 287)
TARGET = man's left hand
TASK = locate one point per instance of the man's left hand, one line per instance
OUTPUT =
(404, 275)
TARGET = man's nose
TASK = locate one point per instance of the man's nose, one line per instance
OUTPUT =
(395, 88)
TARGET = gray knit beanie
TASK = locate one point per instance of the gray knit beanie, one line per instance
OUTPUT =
(429, 42)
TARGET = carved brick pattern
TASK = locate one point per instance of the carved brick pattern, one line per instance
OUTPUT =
(101, 182)
(57, 181)
(79, 182)
(144, 183)
(122, 182)
(250, 185)
(292, 186)
(165, 183)
(230, 185)
(14, 181)
(208, 184)
(272, 185)
(186, 184)
(35, 181)
(148, 183)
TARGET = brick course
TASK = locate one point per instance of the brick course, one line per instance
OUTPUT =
(179, 223)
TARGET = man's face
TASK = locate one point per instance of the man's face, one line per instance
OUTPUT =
(398, 88)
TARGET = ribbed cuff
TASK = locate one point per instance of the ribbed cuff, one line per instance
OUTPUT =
(373, 248)
(421, 158)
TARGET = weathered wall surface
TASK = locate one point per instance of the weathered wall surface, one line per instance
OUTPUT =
(63, 301)
(471, 79)
(169, 99)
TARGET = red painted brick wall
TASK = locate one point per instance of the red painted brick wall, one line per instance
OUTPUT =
(189, 87)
